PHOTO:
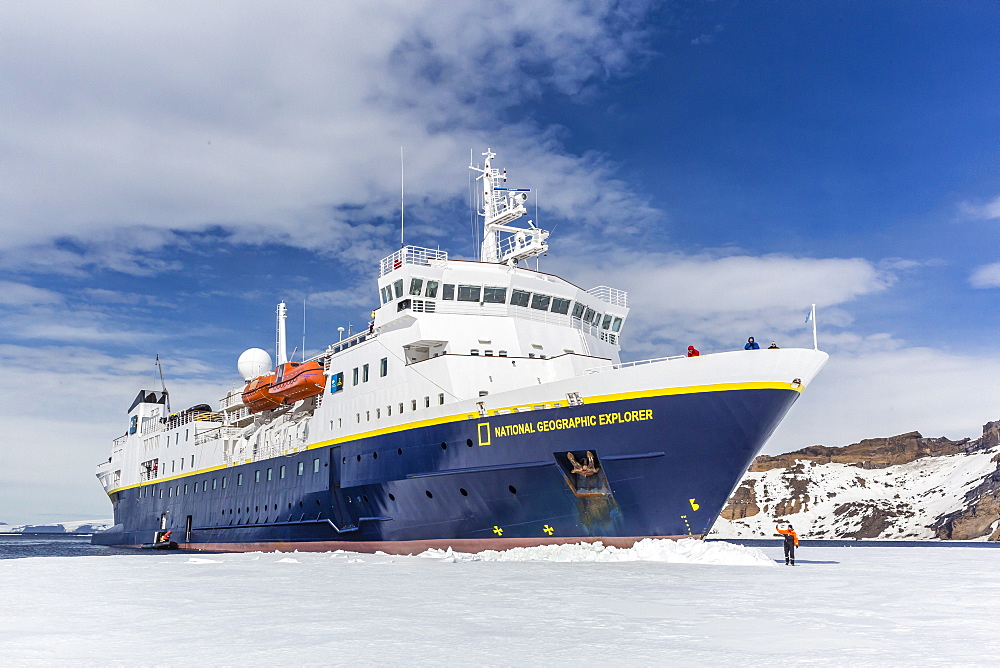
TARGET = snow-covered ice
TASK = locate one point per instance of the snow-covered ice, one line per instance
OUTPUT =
(660, 603)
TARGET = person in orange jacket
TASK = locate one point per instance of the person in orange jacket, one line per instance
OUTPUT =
(791, 541)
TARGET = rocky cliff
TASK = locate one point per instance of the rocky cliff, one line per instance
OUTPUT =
(901, 487)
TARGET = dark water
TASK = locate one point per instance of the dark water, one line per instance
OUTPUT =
(19, 546)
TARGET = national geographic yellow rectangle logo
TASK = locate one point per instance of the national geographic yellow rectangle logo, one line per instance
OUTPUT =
(600, 420)
(484, 433)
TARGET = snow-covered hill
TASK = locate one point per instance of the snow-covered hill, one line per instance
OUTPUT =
(78, 527)
(903, 487)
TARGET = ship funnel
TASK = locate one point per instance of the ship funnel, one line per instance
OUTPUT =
(281, 349)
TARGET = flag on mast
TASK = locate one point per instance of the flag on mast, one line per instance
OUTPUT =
(809, 315)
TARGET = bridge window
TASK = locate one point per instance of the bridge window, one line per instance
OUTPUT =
(432, 289)
(383, 367)
(355, 375)
(578, 310)
(616, 325)
(540, 302)
(364, 374)
(519, 298)
(588, 315)
(386, 293)
(607, 321)
(560, 305)
(494, 295)
(397, 287)
(416, 286)
(469, 293)
(448, 291)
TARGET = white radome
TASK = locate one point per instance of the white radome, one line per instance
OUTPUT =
(253, 362)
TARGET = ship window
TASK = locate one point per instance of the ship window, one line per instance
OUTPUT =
(502, 353)
(432, 289)
(281, 471)
(607, 321)
(427, 402)
(469, 293)
(364, 374)
(185, 488)
(494, 295)
(316, 466)
(597, 320)
(192, 461)
(441, 399)
(357, 418)
(383, 367)
(588, 315)
(447, 291)
(378, 413)
(215, 483)
(400, 407)
(578, 310)
(397, 286)
(386, 293)
(224, 480)
(177, 438)
(413, 404)
(340, 423)
(403, 305)
(616, 325)
(170, 491)
(388, 410)
(355, 376)
(161, 492)
(239, 478)
(302, 468)
(488, 353)
(368, 416)
(540, 302)
(560, 305)
(416, 286)
(256, 476)
(531, 354)
(474, 351)
(519, 298)
(182, 463)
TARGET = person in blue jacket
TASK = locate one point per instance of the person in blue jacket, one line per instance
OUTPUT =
(751, 345)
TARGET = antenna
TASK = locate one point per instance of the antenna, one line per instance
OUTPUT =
(303, 329)
(402, 244)
(279, 343)
(163, 385)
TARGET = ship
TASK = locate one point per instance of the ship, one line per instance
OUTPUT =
(485, 406)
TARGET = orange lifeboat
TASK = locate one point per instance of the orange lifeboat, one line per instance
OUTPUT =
(293, 382)
(258, 395)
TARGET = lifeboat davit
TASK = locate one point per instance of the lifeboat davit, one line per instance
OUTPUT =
(293, 382)
(258, 395)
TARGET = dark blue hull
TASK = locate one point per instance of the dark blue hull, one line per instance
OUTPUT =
(666, 467)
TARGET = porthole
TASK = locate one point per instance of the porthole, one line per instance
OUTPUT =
(289, 505)
(428, 493)
(359, 458)
(399, 451)
(374, 455)
(343, 460)
(468, 442)
(513, 490)
(462, 490)
(256, 509)
(300, 503)
(365, 497)
(391, 497)
(317, 502)
(239, 511)
(444, 446)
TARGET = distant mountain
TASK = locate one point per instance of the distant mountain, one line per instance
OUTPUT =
(902, 487)
(78, 527)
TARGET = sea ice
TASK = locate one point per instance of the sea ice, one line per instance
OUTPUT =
(582, 605)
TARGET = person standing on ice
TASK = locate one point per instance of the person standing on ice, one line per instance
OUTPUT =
(751, 345)
(791, 541)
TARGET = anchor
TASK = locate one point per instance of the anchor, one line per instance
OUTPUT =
(588, 468)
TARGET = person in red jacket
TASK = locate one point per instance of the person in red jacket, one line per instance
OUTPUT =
(791, 541)
(693, 352)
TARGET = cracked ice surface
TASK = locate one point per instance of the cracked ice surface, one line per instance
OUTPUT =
(580, 604)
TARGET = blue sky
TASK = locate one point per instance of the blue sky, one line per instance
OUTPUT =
(169, 172)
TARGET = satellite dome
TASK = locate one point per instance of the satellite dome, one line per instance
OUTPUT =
(253, 362)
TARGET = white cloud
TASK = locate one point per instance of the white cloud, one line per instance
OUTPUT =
(21, 294)
(988, 211)
(987, 276)
(281, 123)
(888, 392)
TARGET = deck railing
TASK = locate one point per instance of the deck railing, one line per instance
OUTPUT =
(612, 296)
(410, 255)
(625, 365)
